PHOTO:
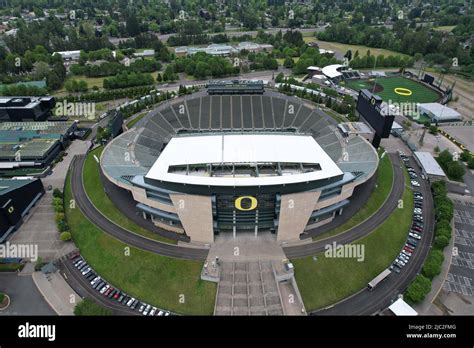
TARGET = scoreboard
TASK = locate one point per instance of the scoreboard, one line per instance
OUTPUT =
(369, 106)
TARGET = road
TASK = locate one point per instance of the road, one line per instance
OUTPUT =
(120, 233)
(365, 227)
(368, 302)
(82, 286)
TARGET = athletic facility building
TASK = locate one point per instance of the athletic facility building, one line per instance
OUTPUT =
(206, 163)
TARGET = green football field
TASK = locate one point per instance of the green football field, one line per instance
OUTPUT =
(386, 87)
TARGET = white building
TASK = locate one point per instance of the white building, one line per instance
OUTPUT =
(439, 113)
(430, 168)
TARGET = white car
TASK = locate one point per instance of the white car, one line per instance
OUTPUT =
(104, 289)
(153, 311)
(160, 313)
(84, 272)
(95, 280)
(142, 307)
(415, 183)
(129, 303)
(416, 236)
(146, 310)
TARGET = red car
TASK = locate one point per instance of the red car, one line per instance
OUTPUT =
(408, 249)
(108, 291)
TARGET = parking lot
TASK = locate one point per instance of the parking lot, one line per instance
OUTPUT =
(460, 278)
(89, 284)
(418, 227)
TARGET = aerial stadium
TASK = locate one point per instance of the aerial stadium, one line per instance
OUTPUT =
(236, 158)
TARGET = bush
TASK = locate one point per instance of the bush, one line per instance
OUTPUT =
(441, 242)
(65, 236)
(465, 156)
(2, 297)
(470, 163)
(418, 289)
(39, 263)
(57, 193)
(89, 307)
(433, 264)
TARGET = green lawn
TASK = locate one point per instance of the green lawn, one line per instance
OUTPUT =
(136, 119)
(420, 93)
(155, 279)
(329, 280)
(376, 200)
(95, 191)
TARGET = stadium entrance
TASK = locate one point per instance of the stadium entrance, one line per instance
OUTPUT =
(245, 213)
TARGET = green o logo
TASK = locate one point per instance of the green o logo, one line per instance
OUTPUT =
(252, 206)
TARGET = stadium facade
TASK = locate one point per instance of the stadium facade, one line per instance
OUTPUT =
(206, 163)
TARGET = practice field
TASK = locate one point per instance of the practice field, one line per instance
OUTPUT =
(397, 89)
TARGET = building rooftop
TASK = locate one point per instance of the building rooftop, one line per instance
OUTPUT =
(440, 111)
(243, 159)
(8, 185)
(429, 163)
(400, 307)
(331, 70)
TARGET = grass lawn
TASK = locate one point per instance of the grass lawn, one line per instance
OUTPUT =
(343, 48)
(420, 93)
(329, 280)
(149, 277)
(377, 198)
(447, 28)
(95, 191)
(136, 119)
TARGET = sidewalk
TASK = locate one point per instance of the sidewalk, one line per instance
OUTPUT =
(57, 292)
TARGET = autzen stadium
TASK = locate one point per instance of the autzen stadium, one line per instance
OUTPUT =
(210, 163)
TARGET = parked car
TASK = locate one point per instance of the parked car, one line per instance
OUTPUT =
(146, 310)
(161, 313)
(415, 183)
(125, 300)
(142, 307)
(395, 268)
(416, 236)
(153, 311)
(129, 303)
(104, 289)
(134, 304)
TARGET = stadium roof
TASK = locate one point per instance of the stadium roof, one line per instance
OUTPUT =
(331, 70)
(439, 112)
(400, 307)
(429, 164)
(298, 159)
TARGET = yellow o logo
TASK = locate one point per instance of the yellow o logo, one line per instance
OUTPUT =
(403, 91)
(253, 203)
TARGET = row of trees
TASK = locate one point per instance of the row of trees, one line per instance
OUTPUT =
(113, 68)
(453, 168)
(370, 61)
(98, 96)
(202, 65)
(126, 79)
(421, 285)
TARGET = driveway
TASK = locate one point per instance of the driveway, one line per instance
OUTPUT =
(25, 297)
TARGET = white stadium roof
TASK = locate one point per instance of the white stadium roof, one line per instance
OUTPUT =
(331, 70)
(237, 149)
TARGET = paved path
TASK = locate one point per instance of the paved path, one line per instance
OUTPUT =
(25, 297)
(39, 226)
(57, 292)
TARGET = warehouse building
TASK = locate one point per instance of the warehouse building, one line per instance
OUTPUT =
(17, 197)
(439, 113)
(430, 168)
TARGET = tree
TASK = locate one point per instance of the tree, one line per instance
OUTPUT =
(418, 289)
(465, 156)
(288, 63)
(132, 25)
(433, 264)
(441, 242)
(455, 170)
(470, 163)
